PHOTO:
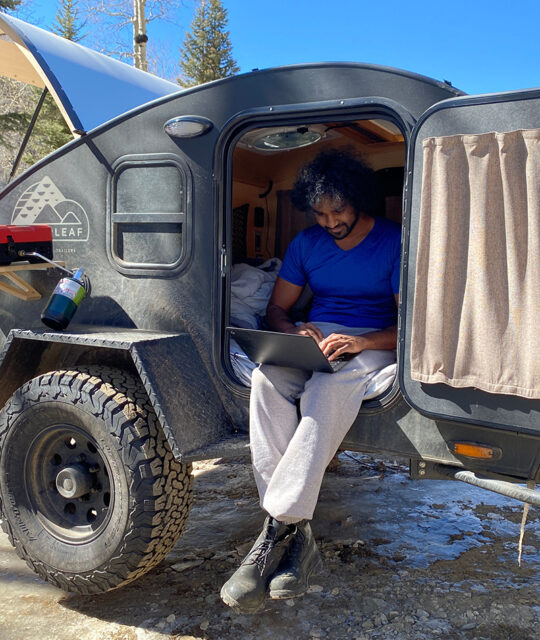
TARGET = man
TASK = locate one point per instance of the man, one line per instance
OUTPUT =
(351, 262)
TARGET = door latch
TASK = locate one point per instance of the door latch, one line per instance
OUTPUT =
(223, 261)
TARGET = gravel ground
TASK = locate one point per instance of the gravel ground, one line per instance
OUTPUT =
(403, 559)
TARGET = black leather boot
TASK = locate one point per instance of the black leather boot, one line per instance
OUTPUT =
(247, 587)
(301, 560)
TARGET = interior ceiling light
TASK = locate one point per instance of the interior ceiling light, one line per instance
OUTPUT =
(282, 138)
(302, 137)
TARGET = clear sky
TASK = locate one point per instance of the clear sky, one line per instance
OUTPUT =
(480, 46)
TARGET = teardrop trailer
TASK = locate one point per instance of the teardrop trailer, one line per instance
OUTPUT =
(161, 196)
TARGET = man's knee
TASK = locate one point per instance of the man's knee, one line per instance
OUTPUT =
(287, 382)
(263, 380)
(263, 375)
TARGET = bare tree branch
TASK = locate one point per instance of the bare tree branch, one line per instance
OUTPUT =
(124, 23)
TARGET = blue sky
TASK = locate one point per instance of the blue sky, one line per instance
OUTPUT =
(480, 46)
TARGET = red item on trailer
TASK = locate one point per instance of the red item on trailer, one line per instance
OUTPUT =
(13, 239)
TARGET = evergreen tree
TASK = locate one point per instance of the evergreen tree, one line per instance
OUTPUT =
(50, 131)
(207, 52)
(10, 123)
(67, 22)
(9, 5)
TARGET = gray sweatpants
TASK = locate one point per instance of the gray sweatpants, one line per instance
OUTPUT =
(290, 456)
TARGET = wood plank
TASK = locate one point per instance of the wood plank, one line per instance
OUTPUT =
(380, 130)
(19, 287)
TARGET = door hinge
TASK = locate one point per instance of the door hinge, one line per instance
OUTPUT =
(223, 261)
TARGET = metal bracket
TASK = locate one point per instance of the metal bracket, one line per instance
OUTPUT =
(504, 485)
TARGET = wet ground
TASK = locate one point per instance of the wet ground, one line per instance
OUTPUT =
(403, 559)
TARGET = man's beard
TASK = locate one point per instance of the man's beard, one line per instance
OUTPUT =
(344, 228)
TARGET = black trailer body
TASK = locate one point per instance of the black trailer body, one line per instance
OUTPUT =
(159, 219)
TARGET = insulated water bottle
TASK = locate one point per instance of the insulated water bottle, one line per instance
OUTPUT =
(65, 300)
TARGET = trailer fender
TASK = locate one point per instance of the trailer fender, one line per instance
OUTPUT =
(169, 366)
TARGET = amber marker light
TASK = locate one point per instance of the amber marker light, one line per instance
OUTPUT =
(471, 450)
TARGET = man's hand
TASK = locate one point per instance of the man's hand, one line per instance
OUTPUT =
(307, 329)
(338, 344)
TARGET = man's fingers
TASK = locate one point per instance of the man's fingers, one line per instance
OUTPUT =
(332, 348)
(332, 355)
(313, 331)
(337, 345)
(332, 341)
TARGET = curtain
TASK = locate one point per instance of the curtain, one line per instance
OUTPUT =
(476, 304)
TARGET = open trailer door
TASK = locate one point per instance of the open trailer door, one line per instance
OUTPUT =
(469, 339)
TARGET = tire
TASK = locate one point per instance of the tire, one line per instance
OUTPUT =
(90, 493)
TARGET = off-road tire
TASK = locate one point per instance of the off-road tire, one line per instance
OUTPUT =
(99, 420)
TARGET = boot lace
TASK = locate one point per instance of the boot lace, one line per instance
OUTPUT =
(259, 555)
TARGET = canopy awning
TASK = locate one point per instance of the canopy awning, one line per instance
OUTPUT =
(88, 87)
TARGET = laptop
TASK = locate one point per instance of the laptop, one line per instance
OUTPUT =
(285, 350)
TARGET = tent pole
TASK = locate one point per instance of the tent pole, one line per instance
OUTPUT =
(28, 133)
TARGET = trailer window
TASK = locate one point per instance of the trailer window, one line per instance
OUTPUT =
(148, 213)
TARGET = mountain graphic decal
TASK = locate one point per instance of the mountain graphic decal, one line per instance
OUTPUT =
(47, 216)
(44, 203)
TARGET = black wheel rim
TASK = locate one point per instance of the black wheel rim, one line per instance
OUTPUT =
(67, 483)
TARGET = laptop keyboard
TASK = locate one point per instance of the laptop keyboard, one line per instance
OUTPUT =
(338, 363)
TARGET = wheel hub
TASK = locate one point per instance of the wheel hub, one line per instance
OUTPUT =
(67, 478)
(73, 482)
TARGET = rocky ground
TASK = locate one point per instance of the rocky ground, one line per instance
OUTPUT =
(403, 559)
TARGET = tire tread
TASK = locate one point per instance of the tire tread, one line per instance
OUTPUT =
(160, 485)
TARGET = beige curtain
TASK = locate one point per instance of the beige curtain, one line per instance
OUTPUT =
(476, 304)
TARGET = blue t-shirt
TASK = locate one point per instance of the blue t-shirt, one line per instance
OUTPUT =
(356, 287)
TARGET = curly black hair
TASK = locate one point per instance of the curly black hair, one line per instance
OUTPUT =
(339, 174)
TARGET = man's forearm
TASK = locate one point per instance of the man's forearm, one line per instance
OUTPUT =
(383, 339)
(278, 319)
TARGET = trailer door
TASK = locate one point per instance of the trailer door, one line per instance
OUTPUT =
(468, 336)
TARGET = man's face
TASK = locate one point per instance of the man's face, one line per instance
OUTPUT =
(336, 217)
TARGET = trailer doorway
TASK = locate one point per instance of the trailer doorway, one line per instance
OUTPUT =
(263, 221)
